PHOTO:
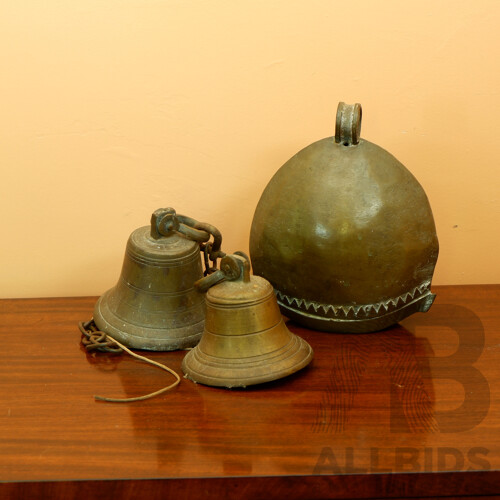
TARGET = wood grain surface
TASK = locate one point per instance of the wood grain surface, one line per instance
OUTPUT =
(410, 411)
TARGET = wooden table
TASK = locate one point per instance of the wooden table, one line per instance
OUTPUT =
(413, 411)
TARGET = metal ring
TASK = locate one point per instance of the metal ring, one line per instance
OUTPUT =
(348, 124)
(193, 234)
(214, 232)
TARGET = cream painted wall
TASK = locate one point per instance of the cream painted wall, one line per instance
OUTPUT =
(111, 109)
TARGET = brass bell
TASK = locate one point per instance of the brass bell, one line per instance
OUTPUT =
(245, 341)
(345, 234)
(154, 304)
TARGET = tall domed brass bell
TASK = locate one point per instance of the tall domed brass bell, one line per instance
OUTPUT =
(345, 234)
(245, 341)
(154, 304)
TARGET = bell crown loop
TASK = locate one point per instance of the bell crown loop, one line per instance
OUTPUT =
(348, 124)
(165, 223)
(234, 267)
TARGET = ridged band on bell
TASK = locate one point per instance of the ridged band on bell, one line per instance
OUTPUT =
(245, 341)
(154, 305)
(357, 318)
(345, 234)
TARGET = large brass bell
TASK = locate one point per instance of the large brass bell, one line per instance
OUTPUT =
(154, 305)
(245, 340)
(345, 234)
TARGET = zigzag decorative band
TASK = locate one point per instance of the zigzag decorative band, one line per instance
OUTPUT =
(354, 311)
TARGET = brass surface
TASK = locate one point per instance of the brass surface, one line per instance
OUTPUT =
(345, 234)
(245, 341)
(154, 305)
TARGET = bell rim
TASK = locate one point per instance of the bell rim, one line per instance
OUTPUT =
(303, 352)
(106, 320)
(364, 325)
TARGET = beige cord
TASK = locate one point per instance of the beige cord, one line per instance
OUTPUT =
(147, 396)
(92, 338)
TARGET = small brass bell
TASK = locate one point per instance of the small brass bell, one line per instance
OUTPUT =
(245, 341)
(345, 234)
(154, 304)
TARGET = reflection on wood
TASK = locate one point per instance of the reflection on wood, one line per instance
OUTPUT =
(392, 353)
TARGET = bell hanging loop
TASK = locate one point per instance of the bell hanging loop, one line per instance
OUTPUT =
(232, 267)
(165, 221)
(348, 124)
